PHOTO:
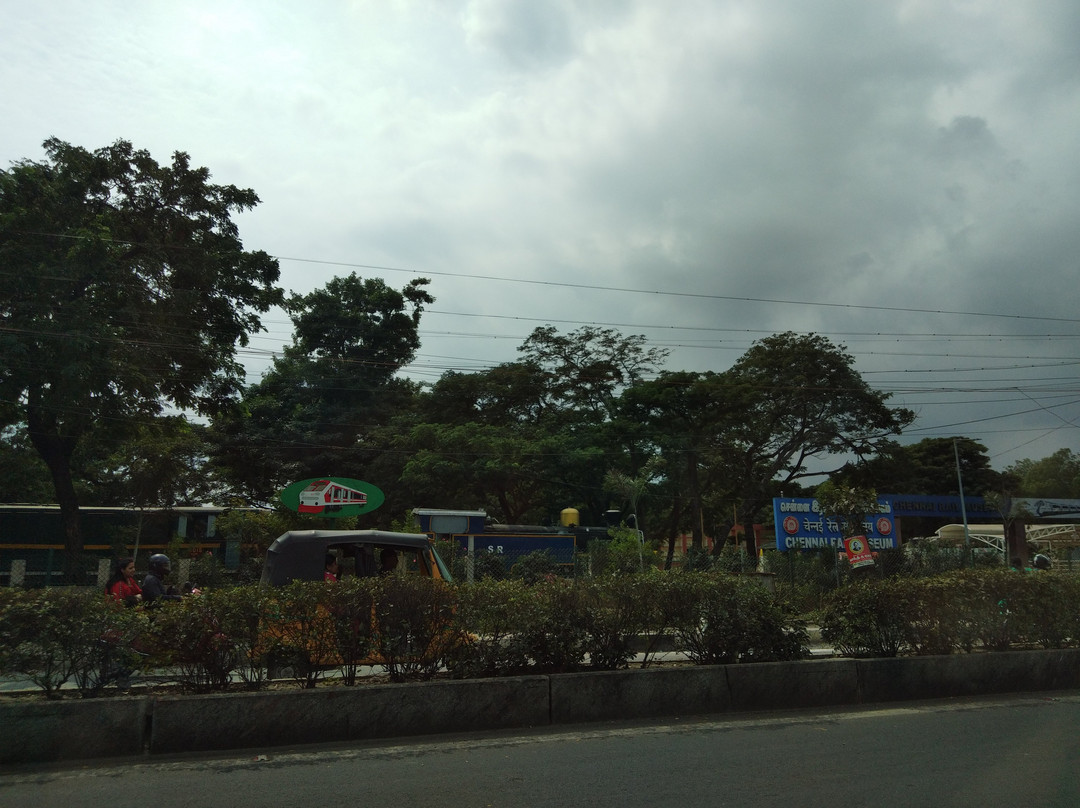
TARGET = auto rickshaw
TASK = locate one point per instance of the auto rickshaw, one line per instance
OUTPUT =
(303, 555)
(299, 555)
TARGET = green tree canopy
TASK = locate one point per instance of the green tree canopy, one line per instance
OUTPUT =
(24, 477)
(589, 368)
(526, 439)
(322, 406)
(849, 504)
(799, 397)
(683, 418)
(515, 474)
(1056, 476)
(161, 464)
(927, 467)
(512, 393)
(126, 289)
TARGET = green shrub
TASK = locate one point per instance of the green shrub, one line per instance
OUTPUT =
(722, 619)
(938, 621)
(627, 553)
(1052, 610)
(1002, 612)
(733, 559)
(349, 604)
(189, 636)
(535, 566)
(112, 633)
(486, 564)
(30, 644)
(869, 618)
(553, 625)
(697, 559)
(301, 639)
(488, 617)
(206, 571)
(991, 608)
(242, 613)
(53, 635)
(414, 625)
(615, 611)
(805, 579)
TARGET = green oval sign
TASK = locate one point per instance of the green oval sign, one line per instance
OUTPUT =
(333, 497)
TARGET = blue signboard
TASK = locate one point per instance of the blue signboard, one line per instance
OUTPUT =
(944, 507)
(560, 546)
(800, 525)
(980, 510)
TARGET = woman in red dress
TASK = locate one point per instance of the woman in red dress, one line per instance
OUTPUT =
(122, 585)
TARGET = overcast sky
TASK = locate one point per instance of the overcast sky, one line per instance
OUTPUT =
(902, 177)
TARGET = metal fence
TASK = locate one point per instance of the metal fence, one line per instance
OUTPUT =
(41, 570)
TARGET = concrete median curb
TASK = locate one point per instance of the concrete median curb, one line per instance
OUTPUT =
(641, 693)
(46, 731)
(50, 731)
(793, 685)
(909, 678)
(225, 721)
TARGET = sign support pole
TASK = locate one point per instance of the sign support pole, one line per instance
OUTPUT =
(963, 507)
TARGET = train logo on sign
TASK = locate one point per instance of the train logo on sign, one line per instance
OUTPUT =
(333, 497)
(323, 495)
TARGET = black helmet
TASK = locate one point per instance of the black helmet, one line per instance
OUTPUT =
(1041, 562)
(160, 565)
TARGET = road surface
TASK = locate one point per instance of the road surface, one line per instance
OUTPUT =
(1016, 750)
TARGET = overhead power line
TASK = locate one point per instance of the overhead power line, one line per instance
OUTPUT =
(600, 287)
(666, 293)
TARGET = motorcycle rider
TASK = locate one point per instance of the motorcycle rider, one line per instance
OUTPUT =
(153, 587)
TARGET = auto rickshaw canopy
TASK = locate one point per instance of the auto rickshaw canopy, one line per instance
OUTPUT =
(300, 555)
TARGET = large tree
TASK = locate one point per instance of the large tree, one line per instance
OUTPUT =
(322, 407)
(126, 289)
(161, 464)
(526, 439)
(588, 368)
(496, 439)
(1056, 476)
(585, 373)
(682, 418)
(928, 467)
(510, 394)
(799, 397)
(24, 477)
(515, 474)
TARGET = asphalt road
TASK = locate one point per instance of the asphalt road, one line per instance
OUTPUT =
(1022, 751)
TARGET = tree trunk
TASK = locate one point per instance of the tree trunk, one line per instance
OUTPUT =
(720, 540)
(697, 530)
(673, 525)
(56, 450)
(749, 506)
(751, 541)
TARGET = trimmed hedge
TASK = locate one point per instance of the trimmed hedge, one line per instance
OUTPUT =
(963, 611)
(413, 627)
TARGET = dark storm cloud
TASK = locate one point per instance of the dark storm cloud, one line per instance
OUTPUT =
(873, 155)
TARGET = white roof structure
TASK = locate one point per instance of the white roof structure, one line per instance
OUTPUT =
(993, 535)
